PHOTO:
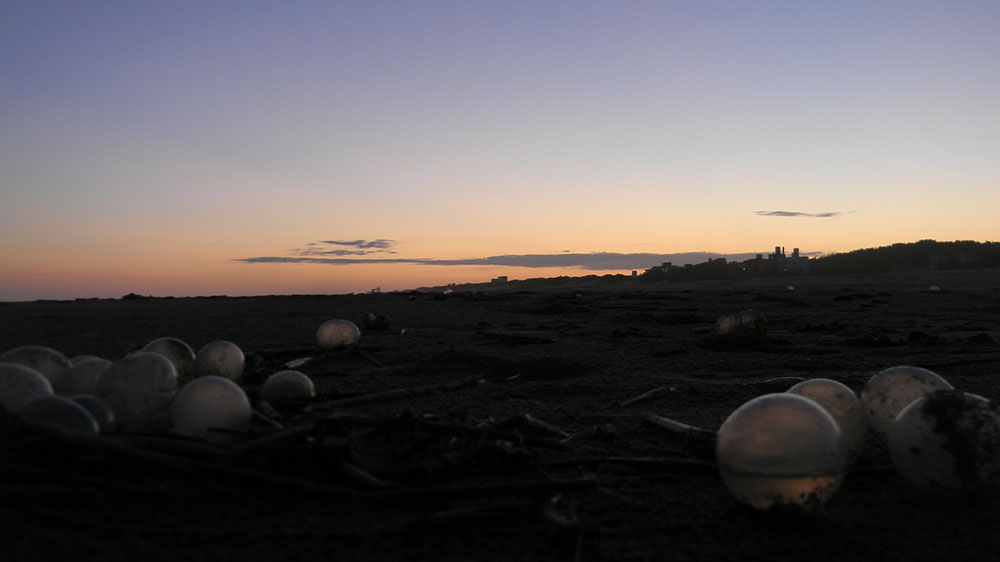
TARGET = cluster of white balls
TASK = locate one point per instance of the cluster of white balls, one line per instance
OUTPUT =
(165, 386)
(792, 449)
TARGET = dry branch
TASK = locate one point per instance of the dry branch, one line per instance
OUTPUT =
(389, 395)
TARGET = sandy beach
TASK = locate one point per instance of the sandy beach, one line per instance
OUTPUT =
(503, 425)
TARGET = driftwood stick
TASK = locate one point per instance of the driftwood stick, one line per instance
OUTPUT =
(681, 429)
(64, 442)
(658, 462)
(279, 437)
(456, 518)
(484, 490)
(389, 395)
(645, 395)
(368, 358)
(532, 422)
(362, 476)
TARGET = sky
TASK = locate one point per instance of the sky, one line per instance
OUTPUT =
(202, 148)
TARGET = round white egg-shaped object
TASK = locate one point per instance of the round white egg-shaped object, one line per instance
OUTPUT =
(840, 402)
(210, 402)
(139, 389)
(103, 414)
(178, 352)
(19, 384)
(47, 361)
(81, 378)
(287, 385)
(338, 334)
(60, 413)
(220, 358)
(948, 442)
(781, 451)
(889, 391)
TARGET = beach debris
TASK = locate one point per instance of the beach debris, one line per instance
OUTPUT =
(210, 402)
(102, 413)
(338, 335)
(377, 322)
(220, 358)
(19, 384)
(60, 413)
(178, 352)
(299, 362)
(748, 322)
(47, 361)
(287, 385)
(139, 389)
(700, 441)
(948, 442)
(840, 402)
(781, 451)
(890, 390)
(266, 413)
(647, 395)
(81, 377)
(394, 394)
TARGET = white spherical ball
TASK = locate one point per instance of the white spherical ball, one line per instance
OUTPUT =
(19, 384)
(338, 334)
(781, 451)
(210, 402)
(891, 390)
(60, 413)
(45, 360)
(103, 414)
(948, 442)
(220, 358)
(840, 402)
(287, 385)
(139, 389)
(178, 352)
(81, 377)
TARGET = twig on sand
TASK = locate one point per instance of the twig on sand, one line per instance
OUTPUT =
(484, 490)
(460, 517)
(228, 472)
(532, 422)
(388, 395)
(362, 476)
(679, 428)
(368, 358)
(645, 395)
(657, 462)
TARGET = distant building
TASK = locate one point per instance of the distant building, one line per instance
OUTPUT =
(499, 280)
(787, 264)
(664, 267)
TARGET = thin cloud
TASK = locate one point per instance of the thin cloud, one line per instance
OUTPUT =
(826, 215)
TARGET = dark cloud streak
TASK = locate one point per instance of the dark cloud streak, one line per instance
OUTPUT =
(597, 261)
(826, 215)
(378, 243)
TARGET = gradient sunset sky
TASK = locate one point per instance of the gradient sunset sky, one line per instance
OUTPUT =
(195, 148)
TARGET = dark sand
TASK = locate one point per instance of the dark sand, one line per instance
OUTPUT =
(568, 358)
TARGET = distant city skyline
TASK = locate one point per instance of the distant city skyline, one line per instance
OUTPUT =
(190, 148)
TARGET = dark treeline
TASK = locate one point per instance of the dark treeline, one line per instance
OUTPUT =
(911, 256)
(925, 254)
